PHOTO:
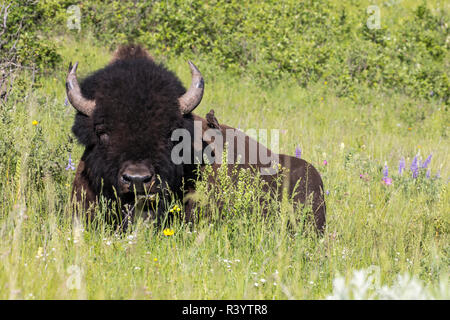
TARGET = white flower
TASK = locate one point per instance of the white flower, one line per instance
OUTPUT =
(364, 284)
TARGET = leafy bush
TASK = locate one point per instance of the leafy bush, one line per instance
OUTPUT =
(21, 44)
(308, 40)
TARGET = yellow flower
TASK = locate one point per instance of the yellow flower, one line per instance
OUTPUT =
(168, 232)
(325, 83)
(175, 208)
(156, 259)
(34, 123)
(409, 128)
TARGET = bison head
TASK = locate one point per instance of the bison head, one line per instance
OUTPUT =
(126, 114)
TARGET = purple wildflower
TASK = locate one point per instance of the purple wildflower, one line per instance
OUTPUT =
(298, 152)
(427, 161)
(428, 173)
(386, 180)
(415, 167)
(325, 162)
(438, 174)
(385, 171)
(71, 165)
(327, 192)
(401, 166)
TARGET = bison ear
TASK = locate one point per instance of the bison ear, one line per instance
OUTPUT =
(212, 120)
(192, 98)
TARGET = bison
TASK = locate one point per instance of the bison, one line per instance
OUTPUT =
(127, 114)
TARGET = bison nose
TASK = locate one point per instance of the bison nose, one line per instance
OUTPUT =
(137, 177)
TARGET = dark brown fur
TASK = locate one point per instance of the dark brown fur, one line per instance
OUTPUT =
(137, 106)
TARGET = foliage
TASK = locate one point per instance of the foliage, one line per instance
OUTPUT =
(308, 40)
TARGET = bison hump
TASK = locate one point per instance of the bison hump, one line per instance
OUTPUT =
(130, 51)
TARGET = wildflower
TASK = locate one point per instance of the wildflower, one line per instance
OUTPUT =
(175, 209)
(262, 280)
(385, 171)
(415, 167)
(327, 192)
(386, 180)
(428, 174)
(156, 259)
(401, 166)
(325, 83)
(342, 146)
(298, 152)
(70, 165)
(168, 232)
(427, 161)
(256, 284)
(34, 123)
(325, 162)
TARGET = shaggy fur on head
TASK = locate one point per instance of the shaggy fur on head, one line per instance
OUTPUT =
(130, 51)
(136, 111)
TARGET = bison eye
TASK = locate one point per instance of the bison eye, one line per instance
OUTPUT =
(104, 138)
(101, 134)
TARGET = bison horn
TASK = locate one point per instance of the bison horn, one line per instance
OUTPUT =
(193, 96)
(73, 90)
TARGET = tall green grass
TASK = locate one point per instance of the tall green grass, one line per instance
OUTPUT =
(401, 228)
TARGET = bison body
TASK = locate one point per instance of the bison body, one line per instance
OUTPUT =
(127, 114)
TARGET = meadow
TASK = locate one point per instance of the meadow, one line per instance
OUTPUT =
(382, 154)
